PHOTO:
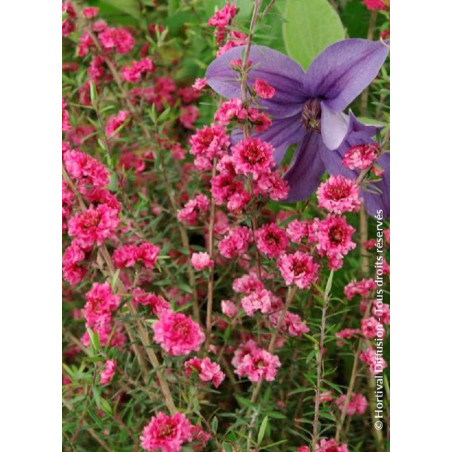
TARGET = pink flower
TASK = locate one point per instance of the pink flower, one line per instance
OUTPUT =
(85, 169)
(199, 84)
(189, 213)
(271, 240)
(272, 185)
(223, 16)
(229, 309)
(73, 272)
(178, 334)
(253, 156)
(115, 122)
(334, 239)
(387, 235)
(370, 328)
(263, 89)
(134, 72)
(255, 363)
(94, 225)
(207, 370)
(363, 288)
(108, 373)
(235, 243)
(166, 433)
(200, 261)
(376, 5)
(297, 229)
(375, 360)
(229, 110)
(129, 255)
(357, 405)
(66, 126)
(330, 445)
(90, 13)
(360, 156)
(227, 190)
(260, 300)
(207, 143)
(298, 268)
(291, 323)
(346, 333)
(188, 115)
(247, 284)
(339, 194)
(117, 38)
(100, 303)
(68, 27)
(155, 302)
(236, 38)
(381, 311)
(199, 437)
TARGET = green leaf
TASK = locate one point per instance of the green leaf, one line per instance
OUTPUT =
(312, 25)
(130, 7)
(262, 428)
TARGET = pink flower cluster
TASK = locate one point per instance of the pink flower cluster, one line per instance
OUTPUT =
(208, 143)
(234, 109)
(334, 239)
(189, 213)
(291, 323)
(94, 225)
(357, 405)
(271, 240)
(100, 304)
(108, 372)
(374, 360)
(363, 288)
(361, 156)
(298, 268)
(263, 89)
(98, 311)
(177, 334)
(260, 300)
(200, 261)
(235, 243)
(206, 370)
(115, 122)
(166, 433)
(85, 169)
(158, 304)
(339, 194)
(134, 72)
(129, 255)
(376, 5)
(255, 363)
(118, 39)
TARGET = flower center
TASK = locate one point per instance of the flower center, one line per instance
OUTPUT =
(336, 235)
(311, 114)
(338, 192)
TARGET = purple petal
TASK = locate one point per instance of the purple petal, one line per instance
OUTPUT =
(334, 126)
(380, 201)
(343, 70)
(280, 71)
(281, 134)
(306, 169)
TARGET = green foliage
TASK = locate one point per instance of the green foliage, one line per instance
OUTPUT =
(311, 26)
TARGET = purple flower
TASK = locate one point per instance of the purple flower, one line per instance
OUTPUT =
(307, 110)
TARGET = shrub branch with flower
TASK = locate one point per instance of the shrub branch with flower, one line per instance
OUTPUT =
(225, 230)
